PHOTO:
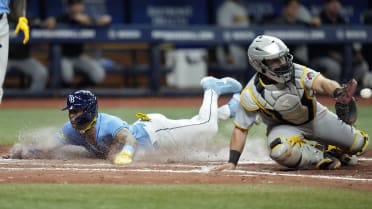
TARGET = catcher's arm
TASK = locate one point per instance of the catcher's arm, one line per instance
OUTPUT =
(121, 152)
(238, 139)
(324, 85)
(346, 107)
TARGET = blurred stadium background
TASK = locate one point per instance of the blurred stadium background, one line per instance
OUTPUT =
(164, 47)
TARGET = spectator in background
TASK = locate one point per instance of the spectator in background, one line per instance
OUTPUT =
(327, 58)
(20, 59)
(361, 71)
(73, 53)
(304, 15)
(232, 13)
(290, 17)
(366, 77)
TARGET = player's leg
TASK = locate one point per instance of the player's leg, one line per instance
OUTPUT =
(328, 129)
(203, 126)
(209, 111)
(165, 132)
(228, 110)
(289, 148)
(4, 50)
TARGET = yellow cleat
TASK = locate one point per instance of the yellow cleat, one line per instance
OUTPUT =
(143, 116)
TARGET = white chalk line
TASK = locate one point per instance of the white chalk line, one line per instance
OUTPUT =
(347, 178)
(78, 167)
(204, 170)
(95, 164)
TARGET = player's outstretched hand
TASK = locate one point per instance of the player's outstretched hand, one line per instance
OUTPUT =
(123, 158)
(23, 26)
(226, 166)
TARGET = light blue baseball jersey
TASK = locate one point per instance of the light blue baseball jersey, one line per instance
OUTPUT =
(107, 126)
(4, 6)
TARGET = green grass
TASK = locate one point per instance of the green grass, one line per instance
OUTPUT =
(14, 121)
(179, 196)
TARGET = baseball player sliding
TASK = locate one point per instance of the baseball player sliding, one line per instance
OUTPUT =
(18, 8)
(110, 137)
(283, 94)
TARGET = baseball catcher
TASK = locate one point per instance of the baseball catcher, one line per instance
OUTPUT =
(301, 132)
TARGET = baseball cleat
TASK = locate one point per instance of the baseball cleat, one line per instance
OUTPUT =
(329, 163)
(347, 159)
(338, 153)
(221, 86)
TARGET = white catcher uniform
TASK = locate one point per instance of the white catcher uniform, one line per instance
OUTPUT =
(293, 116)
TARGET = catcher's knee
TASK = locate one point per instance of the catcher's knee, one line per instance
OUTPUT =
(360, 143)
(284, 153)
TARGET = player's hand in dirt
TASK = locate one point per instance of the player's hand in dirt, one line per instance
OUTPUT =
(226, 166)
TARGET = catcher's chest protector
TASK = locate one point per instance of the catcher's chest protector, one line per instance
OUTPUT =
(288, 104)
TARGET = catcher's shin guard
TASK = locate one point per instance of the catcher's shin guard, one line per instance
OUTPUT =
(360, 143)
(295, 152)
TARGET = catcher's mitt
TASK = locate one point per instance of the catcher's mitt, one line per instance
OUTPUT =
(346, 108)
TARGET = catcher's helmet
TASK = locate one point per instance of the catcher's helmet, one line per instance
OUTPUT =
(83, 100)
(266, 47)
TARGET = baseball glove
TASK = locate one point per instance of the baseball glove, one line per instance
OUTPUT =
(346, 108)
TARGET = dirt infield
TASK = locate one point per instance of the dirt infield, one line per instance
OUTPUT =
(92, 171)
(89, 171)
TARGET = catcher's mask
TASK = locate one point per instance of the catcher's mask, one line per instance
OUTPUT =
(87, 102)
(265, 48)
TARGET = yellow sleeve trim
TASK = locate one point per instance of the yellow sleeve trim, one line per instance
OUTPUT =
(244, 104)
(316, 77)
(259, 104)
(239, 127)
(303, 78)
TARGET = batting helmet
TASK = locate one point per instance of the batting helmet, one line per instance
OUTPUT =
(266, 47)
(83, 100)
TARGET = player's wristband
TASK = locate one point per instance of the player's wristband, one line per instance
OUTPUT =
(234, 156)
